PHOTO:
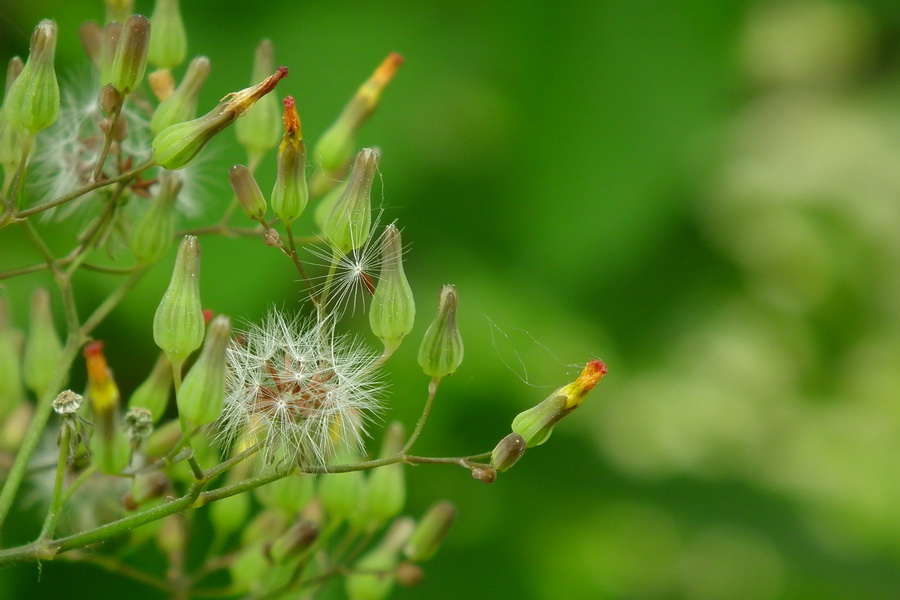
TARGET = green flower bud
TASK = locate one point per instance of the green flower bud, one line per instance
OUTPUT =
(441, 351)
(13, 70)
(342, 494)
(181, 105)
(430, 532)
(338, 143)
(387, 485)
(33, 99)
(154, 230)
(108, 46)
(536, 424)
(42, 346)
(290, 194)
(323, 209)
(508, 452)
(168, 43)
(153, 393)
(290, 493)
(393, 309)
(130, 61)
(178, 324)
(264, 527)
(176, 145)
(373, 574)
(202, 395)
(110, 445)
(350, 221)
(11, 391)
(260, 129)
(247, 191)
(294, 542)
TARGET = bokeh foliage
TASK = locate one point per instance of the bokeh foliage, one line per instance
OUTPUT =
(705, 194)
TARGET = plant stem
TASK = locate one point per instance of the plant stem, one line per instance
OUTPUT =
(432, 390)
(56, 502)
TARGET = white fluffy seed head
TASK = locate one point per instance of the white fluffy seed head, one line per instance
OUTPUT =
(299, 390)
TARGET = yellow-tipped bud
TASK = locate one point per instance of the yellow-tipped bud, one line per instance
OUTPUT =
(42, 346)
(536, 424)
(260, 129)
(110, 446)
(176, 145)
(33, 99)
(168, 43)
(202, 395)
(181, 104)
(338, 143)
(441, 351)
(130, 60)
(178, 325)
(118, 10)
(349, 223)
(290, 194)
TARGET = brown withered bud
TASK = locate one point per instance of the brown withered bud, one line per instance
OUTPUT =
(485, 475)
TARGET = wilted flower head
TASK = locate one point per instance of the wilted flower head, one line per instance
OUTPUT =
(298, 389)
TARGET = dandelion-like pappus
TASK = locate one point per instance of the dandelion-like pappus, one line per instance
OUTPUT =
(299, 390)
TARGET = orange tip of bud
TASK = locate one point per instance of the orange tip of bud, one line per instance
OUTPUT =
(575, 392)
(93, 349)
(291, 118)
(208, 314)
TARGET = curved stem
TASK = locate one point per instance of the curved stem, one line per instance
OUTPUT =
(432, 390)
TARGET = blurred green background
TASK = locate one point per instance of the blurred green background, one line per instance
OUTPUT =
(704, 194)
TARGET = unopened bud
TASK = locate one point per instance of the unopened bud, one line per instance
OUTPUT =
(536, 424)
(131, 54)
(409, 575)
(485, 474)
(14, 427)
(109, 99)
(260, 129)
(247, 191)
(393, 309)
(181, 104)
(13, 70)
(146, 486)
(373, 576)
(91, 36)
(11, 392)
(154, 230)
(264, 526)
(168, 43)
(271, 237)
(110, 447)
(178, 324)
(290, 194)
(441, 351)
(109, 43)
(338, 143)
(294, 542)
(33, 99)
(176, 145)
(349, 223)
(202, 395)
(508, 452)
(387, 484)
(430, 532)
(42, 346)
(342, 494)
(153, 393)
